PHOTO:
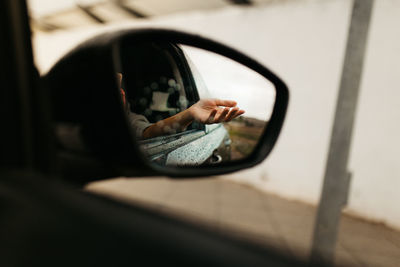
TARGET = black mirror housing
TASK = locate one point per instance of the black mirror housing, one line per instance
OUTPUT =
(90, 124)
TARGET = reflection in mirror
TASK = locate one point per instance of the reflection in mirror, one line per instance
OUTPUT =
(187, 106)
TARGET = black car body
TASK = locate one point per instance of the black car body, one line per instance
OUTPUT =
(46, 220)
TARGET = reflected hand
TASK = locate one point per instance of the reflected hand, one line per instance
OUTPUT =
(209, 111)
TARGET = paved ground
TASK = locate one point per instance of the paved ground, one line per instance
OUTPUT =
(251, 214)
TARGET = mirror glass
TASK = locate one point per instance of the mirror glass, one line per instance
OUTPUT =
(188, 106)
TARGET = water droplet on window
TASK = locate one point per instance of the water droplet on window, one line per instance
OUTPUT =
(148, 112)
(154, 86)
(147, 90)
(172, 82)
(143, 101)
(183, 102)
(163, 79)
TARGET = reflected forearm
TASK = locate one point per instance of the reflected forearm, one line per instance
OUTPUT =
(173, 124)
(207, 111)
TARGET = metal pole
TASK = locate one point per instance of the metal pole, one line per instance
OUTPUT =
(337, 178)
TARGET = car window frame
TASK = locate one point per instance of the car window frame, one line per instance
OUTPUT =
(157, 148)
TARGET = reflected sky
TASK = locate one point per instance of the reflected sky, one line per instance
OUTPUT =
(227, 79)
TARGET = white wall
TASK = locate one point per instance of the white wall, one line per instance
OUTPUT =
(375, 159)
(303, 41)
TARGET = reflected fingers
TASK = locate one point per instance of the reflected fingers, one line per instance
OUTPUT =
(237, 114)
(231, 114)
(222, 115)
(211, 117)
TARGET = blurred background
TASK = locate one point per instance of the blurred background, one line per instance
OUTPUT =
(303, 42)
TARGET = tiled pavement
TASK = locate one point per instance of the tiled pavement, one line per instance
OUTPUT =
(252, 214)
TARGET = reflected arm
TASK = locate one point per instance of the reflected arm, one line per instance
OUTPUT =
(206, 111)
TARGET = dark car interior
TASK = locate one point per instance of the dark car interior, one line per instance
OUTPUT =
(150, 70)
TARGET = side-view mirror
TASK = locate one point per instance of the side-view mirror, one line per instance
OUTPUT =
(150, 102)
